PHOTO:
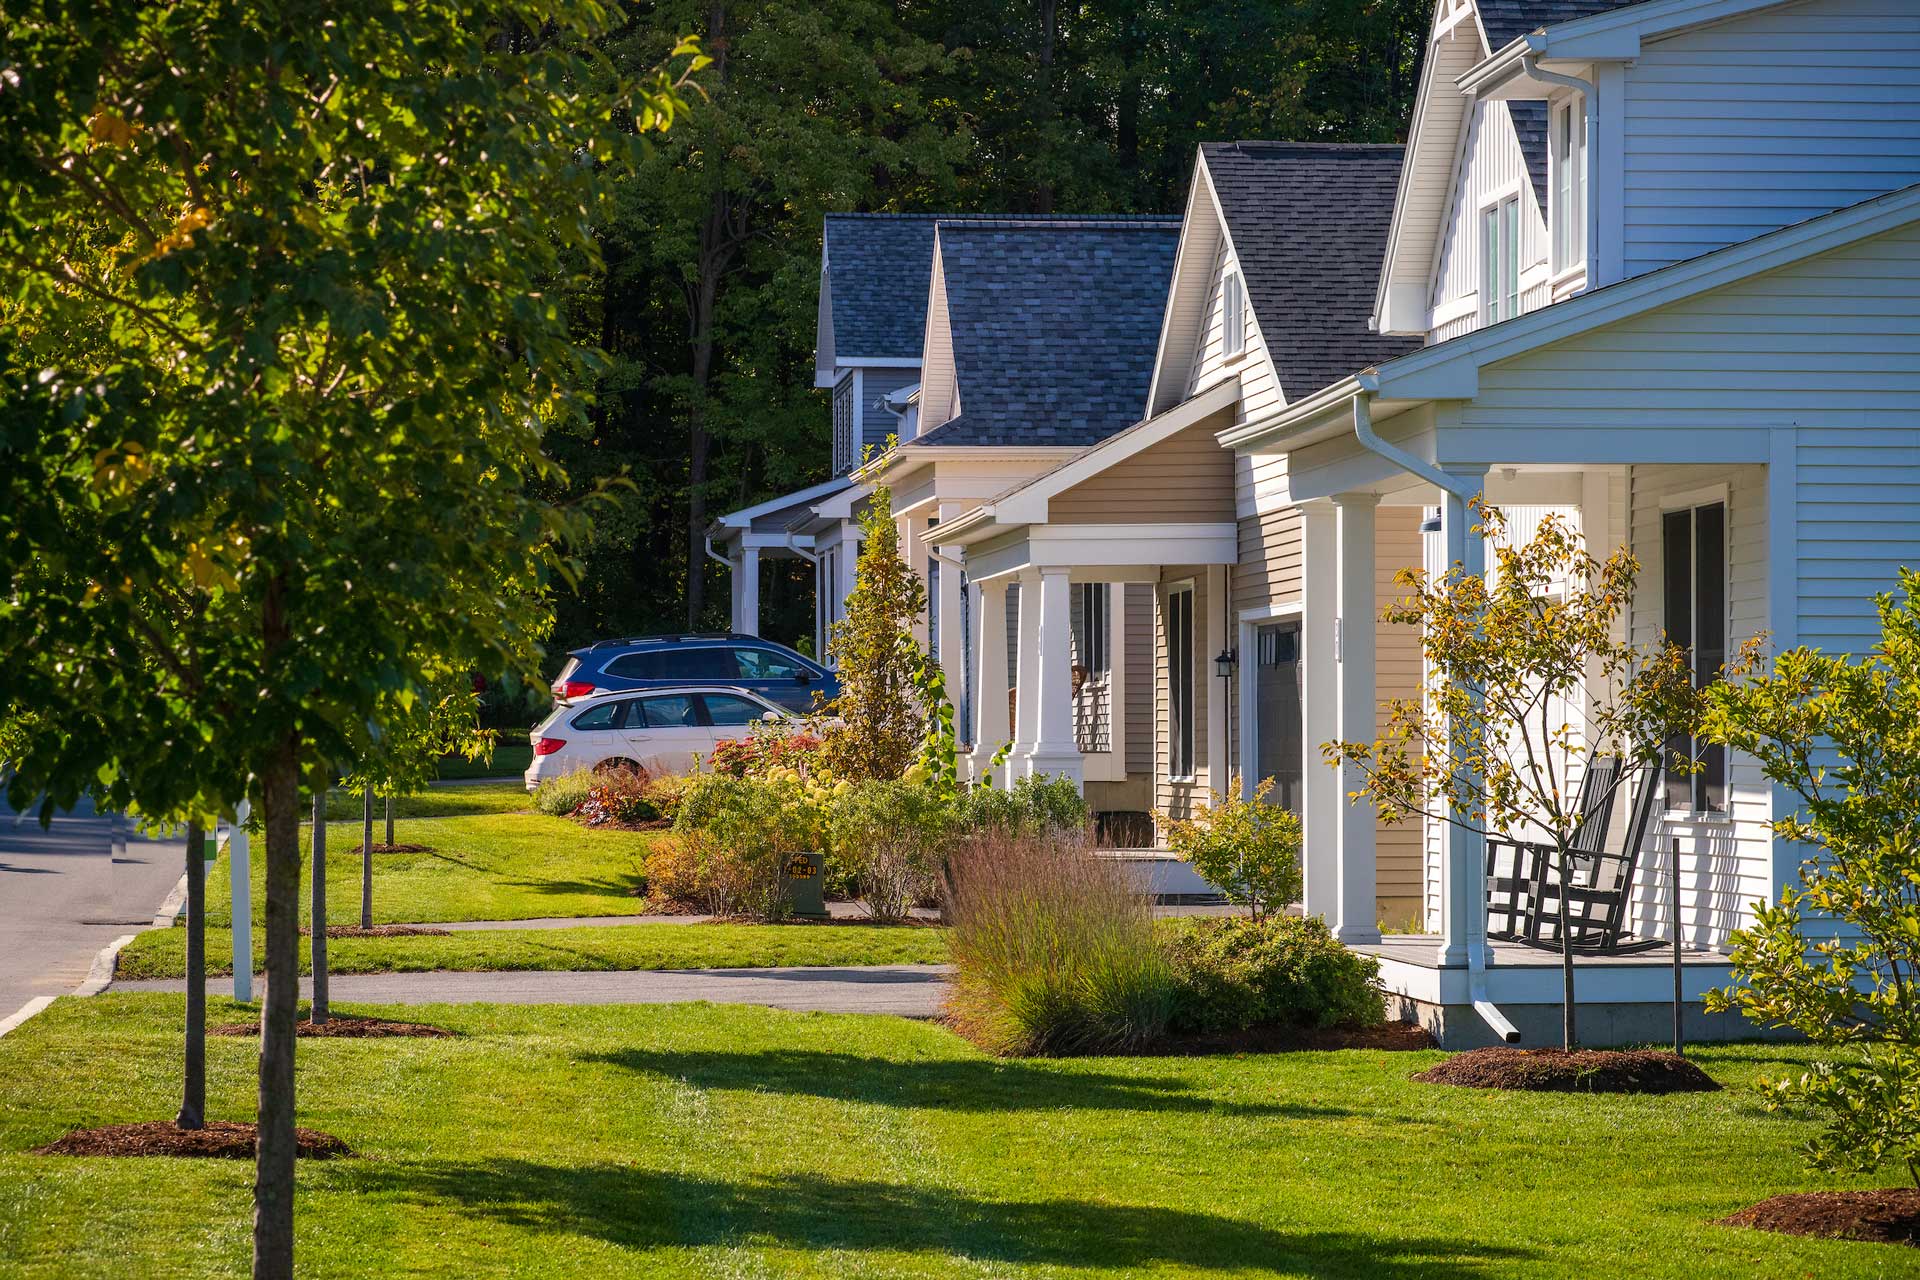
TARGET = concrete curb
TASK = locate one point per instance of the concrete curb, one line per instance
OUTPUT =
(100, 976)
(24, 1012)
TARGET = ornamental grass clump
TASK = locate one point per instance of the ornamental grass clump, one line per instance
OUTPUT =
(558, 797)
(1053, 948)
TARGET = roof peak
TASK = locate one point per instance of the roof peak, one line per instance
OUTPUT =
(1305, 148)
(1020, 219)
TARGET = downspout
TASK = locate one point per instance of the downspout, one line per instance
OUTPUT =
(1530, 63)
(731, 564)
(1464, 490)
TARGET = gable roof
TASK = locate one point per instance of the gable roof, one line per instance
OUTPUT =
(1308, 224)
(1505, 21)
(1053, 326)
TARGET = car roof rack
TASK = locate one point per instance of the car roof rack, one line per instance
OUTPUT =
(676, 637)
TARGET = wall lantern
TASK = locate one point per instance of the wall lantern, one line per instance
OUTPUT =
(1225, 662)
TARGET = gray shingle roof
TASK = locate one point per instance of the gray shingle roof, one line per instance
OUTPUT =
(1507, 20)
(877, 270)
(1055, 326)
(1530, 126)
(1309, 226)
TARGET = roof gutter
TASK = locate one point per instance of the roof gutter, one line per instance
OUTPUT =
(1537, 45)
(1462, 491)
(730, 563)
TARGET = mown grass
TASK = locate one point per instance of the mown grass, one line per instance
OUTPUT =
(692, 1140)
(161, 953)
(509, 759)
(488, 858)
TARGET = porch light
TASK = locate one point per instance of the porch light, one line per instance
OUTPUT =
(1224, 663)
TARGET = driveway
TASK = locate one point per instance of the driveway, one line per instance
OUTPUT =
(64, 896)
(908, 990)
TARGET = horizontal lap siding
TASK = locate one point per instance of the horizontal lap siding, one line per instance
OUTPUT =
(1739, 361)
(876, 421)
(1737, 129)
(1397, 662)
(1259, 391)
(1491, 164)
(1139, 615)
(1186, 478)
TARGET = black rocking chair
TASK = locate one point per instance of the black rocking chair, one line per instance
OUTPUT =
(1526, 902)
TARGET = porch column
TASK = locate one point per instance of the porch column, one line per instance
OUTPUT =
(746, 592)
(1320, 793)
(951, 642)
(913, 549)
(1463, 853)
(991, 727)
(1054, 749)
(1357, 888)
(1026, 683)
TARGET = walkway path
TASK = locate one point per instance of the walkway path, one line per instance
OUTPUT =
(909, 990)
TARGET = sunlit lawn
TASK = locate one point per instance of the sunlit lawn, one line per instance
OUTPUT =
(489, 857)
(675, 1141)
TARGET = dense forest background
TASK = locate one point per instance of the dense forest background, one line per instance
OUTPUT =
(707, 305)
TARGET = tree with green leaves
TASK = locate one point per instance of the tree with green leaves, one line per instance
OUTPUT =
(1528, 684)
(1837, 958)
(880, 723)
(323, 248)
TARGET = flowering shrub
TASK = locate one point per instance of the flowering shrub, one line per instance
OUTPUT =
(619, 797)
(765, 748)
(1248, 848)
(739, 832)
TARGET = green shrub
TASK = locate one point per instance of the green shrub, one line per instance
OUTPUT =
(1231, 975)
(558, 797)
(620, 797)
(1032, 806)
(739, 832)
(1054, 951)
(1246, 847)
(890, 838)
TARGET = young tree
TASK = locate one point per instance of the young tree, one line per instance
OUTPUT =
(1495, 746)
(322, 243)
(1837, 960)
(881, 722)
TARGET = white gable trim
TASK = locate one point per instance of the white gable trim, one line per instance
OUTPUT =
(745, 516)
(1161, 387)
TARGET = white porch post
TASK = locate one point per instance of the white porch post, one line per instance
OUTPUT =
(1026, 683)
(991, 727)
(913, 549)
(1320, 795)
(746, 592)
(1358, 920)
(1463, 853)
(951, 642)
(1054, 750)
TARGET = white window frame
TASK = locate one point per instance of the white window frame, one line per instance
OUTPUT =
(1567, 183)
(1182, 723)
(1499, 245)
(1233, 314)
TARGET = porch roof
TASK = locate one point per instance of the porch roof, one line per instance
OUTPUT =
(769, 524)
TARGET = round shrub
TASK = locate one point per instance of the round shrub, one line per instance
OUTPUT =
(1235, 974)
(1033, 806)
(891, 837)
(1246, 847)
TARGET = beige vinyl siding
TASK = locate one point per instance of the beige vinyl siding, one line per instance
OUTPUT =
(1491, 167)
(1268, 574)
(1735, 129)
(1186, 478)
(939, 395)
(1260, 392)
(1180, 798)
(1139, 612)
(1398, 853)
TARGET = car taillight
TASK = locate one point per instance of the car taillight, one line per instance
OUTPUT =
(575, 689)
(547, 746)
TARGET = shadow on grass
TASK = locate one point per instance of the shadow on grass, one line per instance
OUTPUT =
(639, 1209)
(963, 1084)
(632, 885)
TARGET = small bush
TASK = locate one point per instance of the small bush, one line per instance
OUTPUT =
(676, 872)
(1233, 975)
(1246, 847)
(891, 838)
(620, 797)
(765, 748)
(558, 797)
(1053, 950)
(1033, 806)
(740, 831)
(668, 791)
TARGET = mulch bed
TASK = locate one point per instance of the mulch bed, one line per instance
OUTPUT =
(346, 1027)
(382, 931)
(1394, 1037)
(1890, 1216)
(1582, 1071)
(397, 848)
(220, 1140)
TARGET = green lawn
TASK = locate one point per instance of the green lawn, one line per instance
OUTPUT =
(161, 953)
(510, 759)
(489, 858)
(693, 1140)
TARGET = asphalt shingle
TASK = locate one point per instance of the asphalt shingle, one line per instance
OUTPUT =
(1507, 20)
(1309, 226)
(1055, 326)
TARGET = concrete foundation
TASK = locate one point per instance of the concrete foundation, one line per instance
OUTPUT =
(1600, 1026)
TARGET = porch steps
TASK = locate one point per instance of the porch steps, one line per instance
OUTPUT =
(1165, 877)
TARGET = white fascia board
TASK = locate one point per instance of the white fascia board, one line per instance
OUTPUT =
(840, 505)
(1276, 427)
(878, 362)
(1160, 370)
(1619, 33)
(1028, 503)
(745, 516)
(1102, 545)
(776, 541)
(1450, 370)
(1493, 71)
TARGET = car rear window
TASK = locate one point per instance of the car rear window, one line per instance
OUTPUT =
(724, 710)
(669, 711)
(765, 664)
(674, 664)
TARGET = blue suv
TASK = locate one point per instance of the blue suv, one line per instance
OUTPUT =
(771, 670)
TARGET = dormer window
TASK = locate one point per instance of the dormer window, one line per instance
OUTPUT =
(1567, 218)
(1233, 315)
(1500, 260)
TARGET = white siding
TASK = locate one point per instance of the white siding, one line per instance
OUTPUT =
(1491, 166)
(1259, 392)
(1737, 129)
(1420, 211)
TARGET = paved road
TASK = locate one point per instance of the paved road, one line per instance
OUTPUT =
(909, 990)
(64, 896)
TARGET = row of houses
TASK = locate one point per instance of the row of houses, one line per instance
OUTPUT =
(1650, 266)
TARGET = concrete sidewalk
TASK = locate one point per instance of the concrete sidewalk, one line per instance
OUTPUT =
(906, 990)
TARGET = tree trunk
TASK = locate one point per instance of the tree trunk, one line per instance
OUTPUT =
(366, 860)
(318, 914)
(1049, 106)
(389, 822)
(715, 250)
(1569, 1035)
(193, 1092)
(274, 1154)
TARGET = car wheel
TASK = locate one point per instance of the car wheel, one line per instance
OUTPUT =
(618, 765)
